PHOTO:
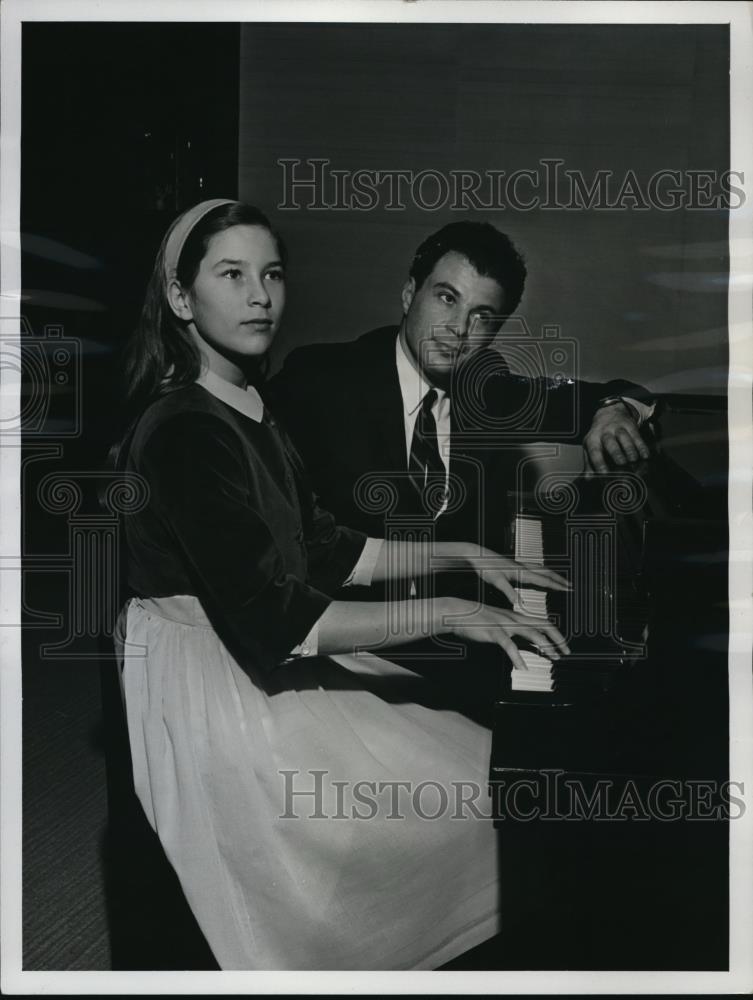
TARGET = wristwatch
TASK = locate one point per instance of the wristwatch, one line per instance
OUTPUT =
(613, 400)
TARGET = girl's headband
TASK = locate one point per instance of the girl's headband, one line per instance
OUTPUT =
(181, 229)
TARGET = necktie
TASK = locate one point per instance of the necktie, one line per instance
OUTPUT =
(425, 466)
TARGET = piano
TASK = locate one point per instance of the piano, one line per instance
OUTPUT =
(608, 766)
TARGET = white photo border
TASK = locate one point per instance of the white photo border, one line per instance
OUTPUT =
(739, 978)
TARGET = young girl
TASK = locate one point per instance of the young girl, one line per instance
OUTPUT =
(317, 813)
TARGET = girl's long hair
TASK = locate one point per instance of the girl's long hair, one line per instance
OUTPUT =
(161, 355)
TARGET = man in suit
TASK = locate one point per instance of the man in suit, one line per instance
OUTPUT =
(424, 420)
(414, 430)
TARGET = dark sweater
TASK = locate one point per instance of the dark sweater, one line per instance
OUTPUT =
(231, 520)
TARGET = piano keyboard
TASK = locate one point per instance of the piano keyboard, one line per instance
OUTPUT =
(529, 547)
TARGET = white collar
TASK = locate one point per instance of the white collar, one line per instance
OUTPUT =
(413, 386)
(246, 401)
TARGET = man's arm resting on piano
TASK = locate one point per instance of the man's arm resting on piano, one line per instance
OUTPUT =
(604, 416)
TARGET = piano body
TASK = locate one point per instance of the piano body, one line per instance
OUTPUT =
(608, 766)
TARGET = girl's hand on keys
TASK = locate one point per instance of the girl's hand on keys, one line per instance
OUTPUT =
(486, 624)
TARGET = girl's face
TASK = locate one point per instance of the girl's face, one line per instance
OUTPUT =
(236, 302)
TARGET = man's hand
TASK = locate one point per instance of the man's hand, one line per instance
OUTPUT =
(613, 436)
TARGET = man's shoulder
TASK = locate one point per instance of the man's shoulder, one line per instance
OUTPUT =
(334, 353)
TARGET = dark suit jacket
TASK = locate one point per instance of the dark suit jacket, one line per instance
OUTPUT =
(341, 405)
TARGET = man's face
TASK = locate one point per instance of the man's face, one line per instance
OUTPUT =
(455, 312)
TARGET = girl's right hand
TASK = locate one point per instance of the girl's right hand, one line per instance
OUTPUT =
(498, 625)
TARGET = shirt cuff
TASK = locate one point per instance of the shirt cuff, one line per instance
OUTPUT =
(643, 411)
(360, 576)
(363, 571)
(308, 646)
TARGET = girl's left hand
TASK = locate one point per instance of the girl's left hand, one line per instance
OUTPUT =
(505, 574)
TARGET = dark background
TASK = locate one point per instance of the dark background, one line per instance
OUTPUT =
(643, 292)
(108, 112)
(124, 125)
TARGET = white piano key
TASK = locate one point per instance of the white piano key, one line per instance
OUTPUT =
(521, 681)
(529, 548)
(531, 602)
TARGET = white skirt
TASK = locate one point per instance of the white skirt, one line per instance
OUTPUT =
(316, 817)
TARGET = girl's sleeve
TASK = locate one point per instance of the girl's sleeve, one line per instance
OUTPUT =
(333, 551)
(199, 484)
